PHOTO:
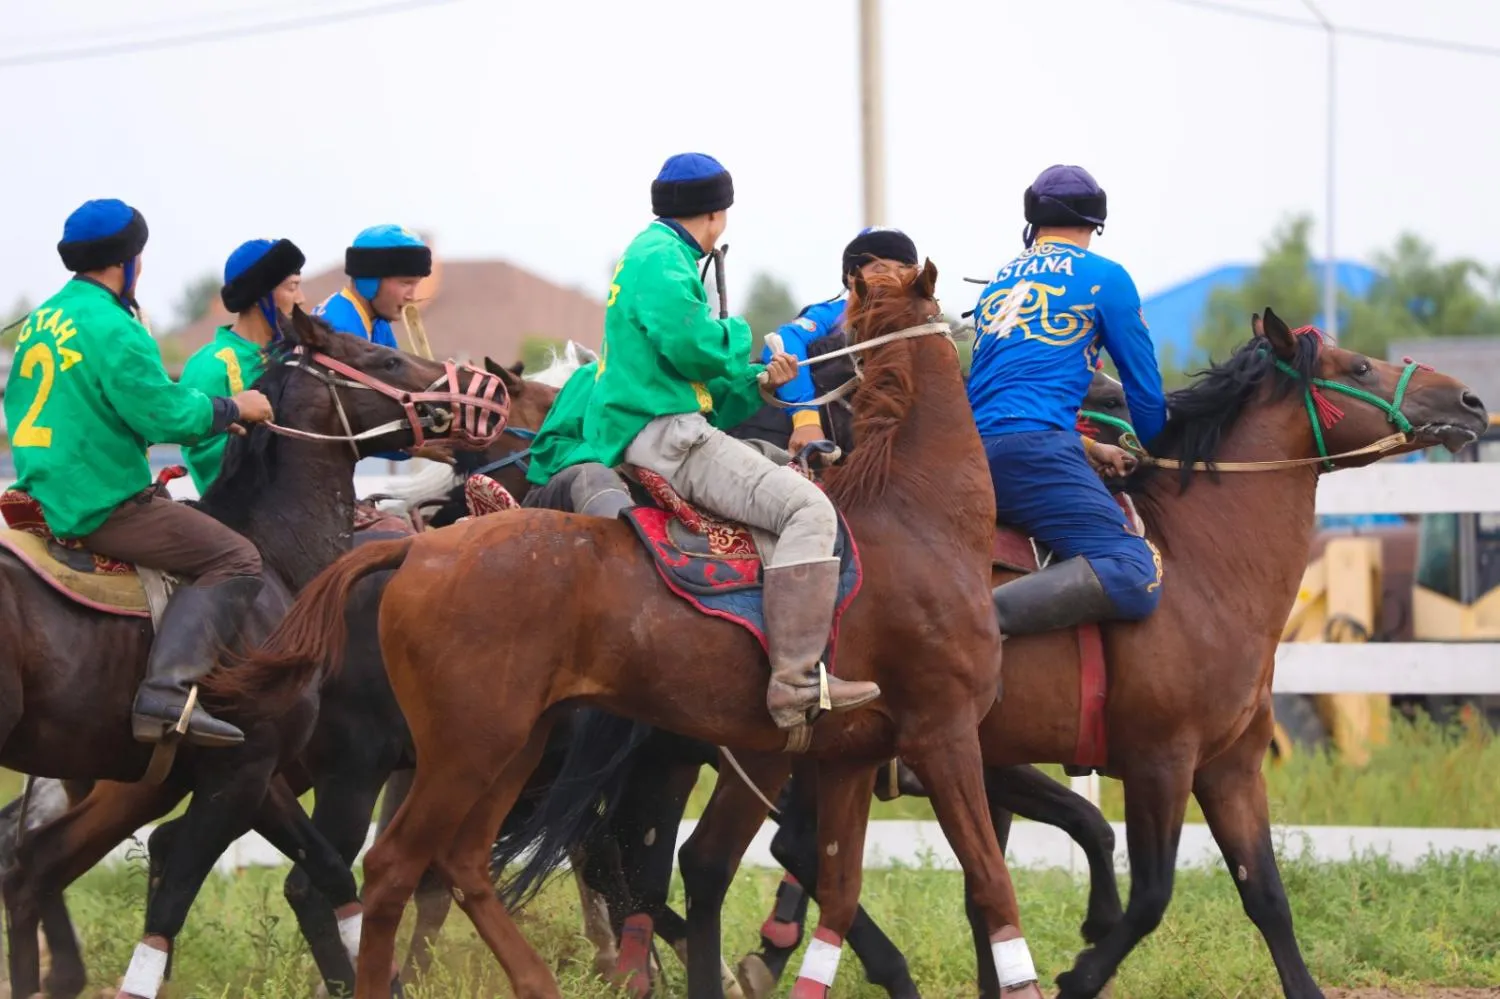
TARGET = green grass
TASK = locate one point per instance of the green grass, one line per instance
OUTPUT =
(1428, 776)
(1360, 924)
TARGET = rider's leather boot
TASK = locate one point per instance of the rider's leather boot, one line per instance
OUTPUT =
(198, 623)
(799, 603)
(1062, 595)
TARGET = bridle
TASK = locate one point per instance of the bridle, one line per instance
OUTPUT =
(521, 458)
(473, 415)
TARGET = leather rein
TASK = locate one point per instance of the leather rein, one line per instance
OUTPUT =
(468, 405)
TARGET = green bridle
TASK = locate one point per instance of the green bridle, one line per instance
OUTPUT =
(1320, 411)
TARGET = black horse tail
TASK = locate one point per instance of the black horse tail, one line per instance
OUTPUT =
(600, 757)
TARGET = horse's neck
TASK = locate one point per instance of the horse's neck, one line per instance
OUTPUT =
(305, 519)
(1248, 528)
(939, 469)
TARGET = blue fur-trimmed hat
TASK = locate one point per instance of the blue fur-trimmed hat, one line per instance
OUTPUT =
(100, 234)
(383, 251)
(691, 184)
(254, 270)
(1065, 196)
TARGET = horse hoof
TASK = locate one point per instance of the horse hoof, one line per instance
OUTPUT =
(755, 978)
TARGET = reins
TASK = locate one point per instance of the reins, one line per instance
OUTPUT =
(477, 416)
(936, 328)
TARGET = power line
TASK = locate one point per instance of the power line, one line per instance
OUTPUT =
(1369, 34)
(217, 34)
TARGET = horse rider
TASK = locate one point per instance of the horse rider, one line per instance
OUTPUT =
(86, 397)
(652, 405)
(385, 264)
(1040, 325)
(262, 283)
(875, 250)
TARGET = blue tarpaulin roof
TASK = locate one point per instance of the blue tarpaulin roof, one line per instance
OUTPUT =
(1174, 313)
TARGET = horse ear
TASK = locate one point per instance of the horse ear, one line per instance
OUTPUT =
(1256, 327)
(306, 331)
(514, 383)
(519, 368)
(1278, 336)
(927, 281)
(583, 355)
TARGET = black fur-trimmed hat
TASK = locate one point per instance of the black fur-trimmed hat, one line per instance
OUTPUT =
(1066, 196)
(255, 269)
(878, 243)
(100, 234)
(691, 184)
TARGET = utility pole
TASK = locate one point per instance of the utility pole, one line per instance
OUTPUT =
(1330, 267)
(872, 112)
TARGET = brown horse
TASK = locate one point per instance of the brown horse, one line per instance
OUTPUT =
(1189, 702)
(68, 673)
(605, 631)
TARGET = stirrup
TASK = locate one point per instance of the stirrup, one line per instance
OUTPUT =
(164, 751)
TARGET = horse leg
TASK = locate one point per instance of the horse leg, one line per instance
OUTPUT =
(434, 896)
(645, 829)
(50, 858)
(229, 789)
(795, 847)
(1232, 793)
(320, 888)
(952, 771)
(1000, 818)
(710, 858)
(466, 864)
(1031, 794)
(1155, 803)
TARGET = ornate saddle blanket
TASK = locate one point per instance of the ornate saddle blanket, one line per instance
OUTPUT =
(95, 581)
(1015, 551)
(715, 565)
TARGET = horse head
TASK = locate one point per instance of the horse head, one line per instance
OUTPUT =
(1105, 415)
(1353, 401)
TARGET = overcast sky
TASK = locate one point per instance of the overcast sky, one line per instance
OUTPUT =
(532, 131)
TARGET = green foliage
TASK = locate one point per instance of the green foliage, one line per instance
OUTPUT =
(1417, 296)
(769, 306)
(195, 300)
(537, 351)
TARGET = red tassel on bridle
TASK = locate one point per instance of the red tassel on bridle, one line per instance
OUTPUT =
(1328, 412)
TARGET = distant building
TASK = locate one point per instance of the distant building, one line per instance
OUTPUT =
(470, 308)
(1175, 313)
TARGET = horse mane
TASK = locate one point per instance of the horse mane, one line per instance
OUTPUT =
(1200, 415)
(886, 392)
(250, 461)
(564, 363)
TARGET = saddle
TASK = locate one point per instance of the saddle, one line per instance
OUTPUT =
(1016, 551)
(87, 578)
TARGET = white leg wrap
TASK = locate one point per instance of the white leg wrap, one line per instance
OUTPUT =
(349, 930)
(820, 962)
(1013, 965)
(148, 966)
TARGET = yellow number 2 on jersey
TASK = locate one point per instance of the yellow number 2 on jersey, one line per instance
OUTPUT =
(28, 434)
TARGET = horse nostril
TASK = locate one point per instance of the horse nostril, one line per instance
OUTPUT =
(1474, 404)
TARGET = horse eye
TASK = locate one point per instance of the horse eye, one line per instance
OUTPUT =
(392, 363)
(1363, 368)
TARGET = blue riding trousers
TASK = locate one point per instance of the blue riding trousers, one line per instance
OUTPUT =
(1045, 486)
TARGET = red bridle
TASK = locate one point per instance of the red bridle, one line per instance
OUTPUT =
(473, 416)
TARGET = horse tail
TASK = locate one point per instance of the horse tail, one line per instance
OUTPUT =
(582, 799)
(309, 643)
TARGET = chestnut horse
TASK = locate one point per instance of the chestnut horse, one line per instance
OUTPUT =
(68, 673)
(599, 628)
(1189, 702)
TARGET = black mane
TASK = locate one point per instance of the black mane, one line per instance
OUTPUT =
(1202, 413)
(249, 463)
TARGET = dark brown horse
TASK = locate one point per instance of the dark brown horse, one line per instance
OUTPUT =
(359, 737)
(1189, 703)
(605, 631)
(68, 674)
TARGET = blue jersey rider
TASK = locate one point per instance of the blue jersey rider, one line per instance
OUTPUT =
(874, 251)
(1040, 325)
(385, 265)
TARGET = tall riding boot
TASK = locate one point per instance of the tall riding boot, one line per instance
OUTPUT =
(199, 622)
(1062, 595)
(799, 603)
(598, 491)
